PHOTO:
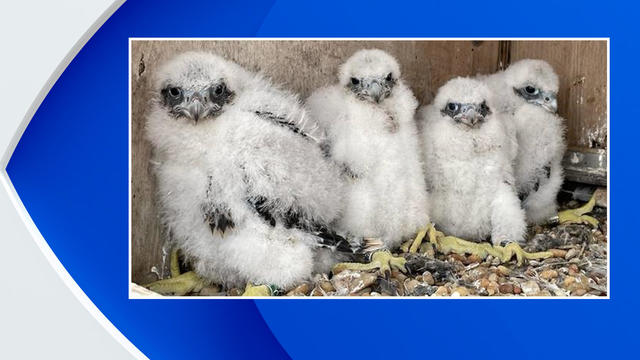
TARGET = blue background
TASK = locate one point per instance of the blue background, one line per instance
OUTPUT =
(71, 172)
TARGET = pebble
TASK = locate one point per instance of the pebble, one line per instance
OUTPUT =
(493, 277)
(234, 292)
(493, 288)
(211, 290)
(530, 287)
(410, 285)
(573, 252)
(442, 291)
(473, 259)
(503, 270)
(506, 289)
(327, 286)
(574, 269)
(460, 291)
(398, 275)
(428, 278)
(578, 292)
(300, 290)
(517, 289)
(349, 282)
(549, 274)
(558, 253)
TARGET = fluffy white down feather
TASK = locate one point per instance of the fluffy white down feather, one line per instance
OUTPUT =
(539, 134)
(386, 197)
(468, 170)
(220, 161)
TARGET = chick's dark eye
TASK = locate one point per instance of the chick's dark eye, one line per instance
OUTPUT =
(389, 77)
(175, 91)
(530, 90)
(452, 106)
(355, 81)
(219, 89)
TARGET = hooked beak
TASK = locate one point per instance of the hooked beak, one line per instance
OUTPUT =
(548, 101)
(195, 108)
(469, 115)
(373, 90)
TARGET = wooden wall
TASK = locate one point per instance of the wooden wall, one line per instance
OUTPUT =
(303, 66)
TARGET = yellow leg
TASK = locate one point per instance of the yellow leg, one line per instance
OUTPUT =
(257, 290)
(449, 244)
(178, 285)
(382, 260)
(578, 216)
(174, 265)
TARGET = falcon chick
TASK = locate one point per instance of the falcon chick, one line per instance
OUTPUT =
(243, 186)
(468, 167)
(368, 118)
(528, 103)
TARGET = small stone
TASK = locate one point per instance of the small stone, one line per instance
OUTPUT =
(398, 275)
(578, 292)
(349, 282)
(442, 291)
(549, 274)
(543, 293)
(573, 269)
(428, 278)
(484, 282)
(496, 261)
(493, 288)
(506, 289)
(327, 286)
(300, 290)
(558, 253)
(530, 287)
(517, 289)
(488, 259)
(493, 277)
(424, 290)
(460, 291)
(503, 270)
(211, 290)
(473, 259)
(234, 292)
(410, 285)
(568, 281)
(573, 252)
(601, 197)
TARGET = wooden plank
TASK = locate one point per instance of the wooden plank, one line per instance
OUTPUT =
(582, 99)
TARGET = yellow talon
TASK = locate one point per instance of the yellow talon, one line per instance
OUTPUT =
(178, 285)
(449, 244)
(578, 216)
(382, 260)
(258, 290)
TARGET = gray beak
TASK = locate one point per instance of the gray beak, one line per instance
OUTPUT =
(373, 90)
(195, 106)
(469, 115)
(549, 101)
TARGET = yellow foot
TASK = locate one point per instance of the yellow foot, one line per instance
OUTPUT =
(258, 290)
(381, 259)
(577, 216)
(178, 285)
(449, 244)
